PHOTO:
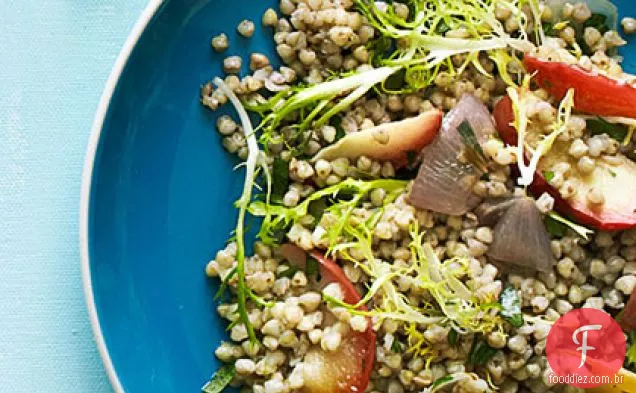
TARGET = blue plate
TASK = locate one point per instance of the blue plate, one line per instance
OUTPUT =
(158, 193)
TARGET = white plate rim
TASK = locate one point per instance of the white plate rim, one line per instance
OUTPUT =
(96, 130)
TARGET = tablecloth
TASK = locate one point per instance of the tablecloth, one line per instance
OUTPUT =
(55, 57)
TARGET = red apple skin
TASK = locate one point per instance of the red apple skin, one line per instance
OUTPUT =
(389, 141)
(607, 218)
(594, 93)
(349, 369)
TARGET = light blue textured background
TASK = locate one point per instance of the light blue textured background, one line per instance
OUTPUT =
(55, 57)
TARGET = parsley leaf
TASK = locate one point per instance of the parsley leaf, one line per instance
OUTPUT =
(548, 175)
(569, 224)
(511, 305)
(379, 49)
(396, 82)
(280, 179)
(336, 122)
(453, 337)
(442, 28)
(317, 208)
(475, 153)
(397, 347)
(601, 126)
(598, 21)
(219, 381)
(480, 353)
(548, 28)
(554, 227)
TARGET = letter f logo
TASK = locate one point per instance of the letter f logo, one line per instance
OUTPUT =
(584, 347)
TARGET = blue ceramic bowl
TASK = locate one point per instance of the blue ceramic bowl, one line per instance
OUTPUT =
(157, 196)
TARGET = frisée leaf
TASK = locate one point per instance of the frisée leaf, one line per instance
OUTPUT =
(220, 380)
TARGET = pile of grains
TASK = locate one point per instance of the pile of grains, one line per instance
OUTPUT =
(315, 38)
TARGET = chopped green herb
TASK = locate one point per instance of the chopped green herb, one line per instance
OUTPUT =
(511, 307)
(613, 173)
(598, 21)
(453, 336)
(440, 381)
(379, 49)
(475, 153)
(317, 208)
(395, 82)
(480, 353)
(468, 136)
(220, 380)
(312, 267)
(548, 28)
(442, 27)
(601, 126)
(579, 229)
(548, 175)
(280, 179)
(397, 347)
(277, 235)
(336, 122)
(555, 227)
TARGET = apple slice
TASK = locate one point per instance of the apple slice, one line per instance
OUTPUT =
(594, 93)
(348, 369)
(387, 142)
(617, 182)
(341, 371)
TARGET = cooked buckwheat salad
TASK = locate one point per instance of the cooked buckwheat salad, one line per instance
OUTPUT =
(436, 183)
